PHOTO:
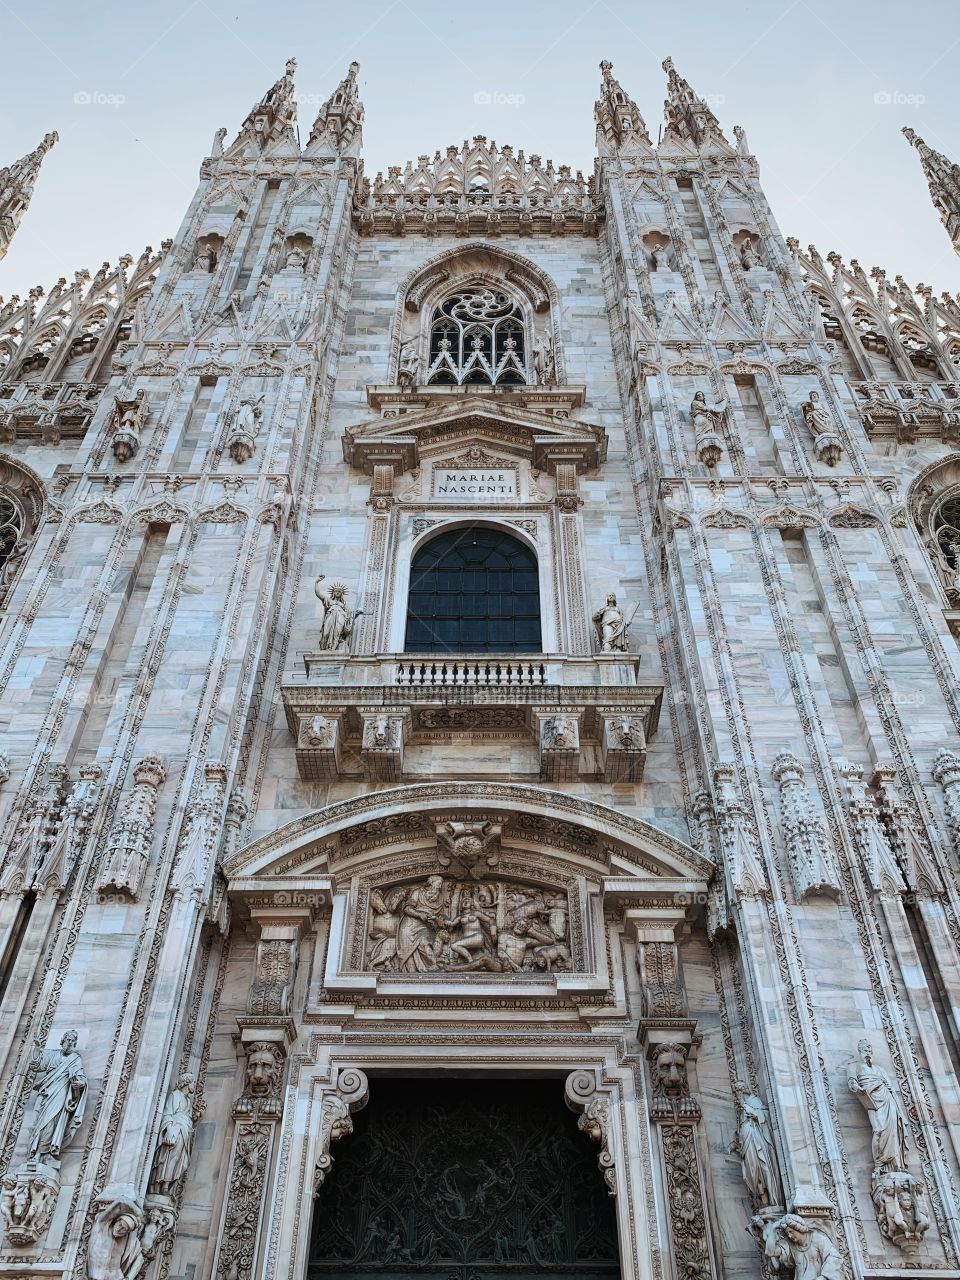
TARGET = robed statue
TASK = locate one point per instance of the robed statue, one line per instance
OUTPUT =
(62, 1087)
(338, 620)
(172, 1156)
(875, 1090)
(611, 627)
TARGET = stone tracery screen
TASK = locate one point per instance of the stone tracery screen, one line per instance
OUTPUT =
(464, 1179)
(477, 336)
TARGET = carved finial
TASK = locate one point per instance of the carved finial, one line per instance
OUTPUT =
(337, 128)
(943, 179)
(688, 117)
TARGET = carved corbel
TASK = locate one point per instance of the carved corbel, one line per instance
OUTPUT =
(559, 737)
(381, 487)
(265, 1050)
(623, 748)
(568, 488)
(318, 747)
(381, 749)
(583, 1095)
(811, 863)
(468, 850)
(670, 1097)
(350, 1094)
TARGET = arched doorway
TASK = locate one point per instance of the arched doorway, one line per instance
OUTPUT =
(464, 1179)
(474, 590)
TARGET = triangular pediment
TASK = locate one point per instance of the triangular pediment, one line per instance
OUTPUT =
(546, 440)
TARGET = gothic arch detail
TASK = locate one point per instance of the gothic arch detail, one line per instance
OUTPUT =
(21, 510)
(483, 272)
(934, 505)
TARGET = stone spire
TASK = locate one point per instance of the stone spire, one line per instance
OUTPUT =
(943, 179)
(687, 118)
(338, 126)
(16, 188)
(274, 115)
(619, 123)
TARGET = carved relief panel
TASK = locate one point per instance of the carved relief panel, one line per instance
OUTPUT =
(466, 926)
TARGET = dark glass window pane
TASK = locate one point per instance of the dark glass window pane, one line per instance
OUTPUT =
(474, 590)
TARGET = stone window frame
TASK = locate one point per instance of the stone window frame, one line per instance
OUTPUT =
(24, 491)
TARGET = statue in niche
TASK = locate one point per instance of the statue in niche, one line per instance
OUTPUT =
(706, 421)
(821, 426)
(611, 627)
(462, 926)
(754, 1145)
(338, 620)
(296, 259)
(62, 1087)
(408, 365)
(544, 361)
(875, 1090)
(175, 1139)
(749, 257)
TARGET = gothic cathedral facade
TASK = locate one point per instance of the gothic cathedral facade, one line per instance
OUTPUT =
(480, 727)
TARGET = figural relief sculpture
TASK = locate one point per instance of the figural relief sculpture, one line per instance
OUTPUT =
(898, 1197)
(129, 419)
(442, 924)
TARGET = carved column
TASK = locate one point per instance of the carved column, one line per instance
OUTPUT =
(266, 1033)
(569, 502)
(666, 1033)
(371, 596)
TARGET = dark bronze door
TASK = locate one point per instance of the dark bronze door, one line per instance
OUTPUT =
(465, 1180)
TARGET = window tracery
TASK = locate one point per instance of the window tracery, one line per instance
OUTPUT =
(477, 336)
(21, 505)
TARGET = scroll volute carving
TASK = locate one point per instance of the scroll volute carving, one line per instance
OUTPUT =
(350, 1095)
(584, 1095)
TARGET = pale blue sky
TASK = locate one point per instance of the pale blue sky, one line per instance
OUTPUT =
(802, 77)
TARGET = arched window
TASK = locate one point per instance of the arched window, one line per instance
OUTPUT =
(474, 590)
(477, 336)
(947, 530)
(21, 505)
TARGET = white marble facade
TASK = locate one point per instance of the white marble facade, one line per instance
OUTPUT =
(696, 858)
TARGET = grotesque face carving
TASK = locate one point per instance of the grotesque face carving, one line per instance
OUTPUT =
(263, 1071)
(669, 1068)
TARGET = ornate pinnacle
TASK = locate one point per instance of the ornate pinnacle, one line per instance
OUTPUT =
(16, 188)
(619, 123)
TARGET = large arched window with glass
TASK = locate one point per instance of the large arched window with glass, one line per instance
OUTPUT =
(477, 336)
(474, 590)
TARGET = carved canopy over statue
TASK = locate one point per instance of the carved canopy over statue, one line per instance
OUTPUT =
(490, 925)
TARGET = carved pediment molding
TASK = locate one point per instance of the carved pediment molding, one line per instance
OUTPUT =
(544, 439)
(529, 814)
